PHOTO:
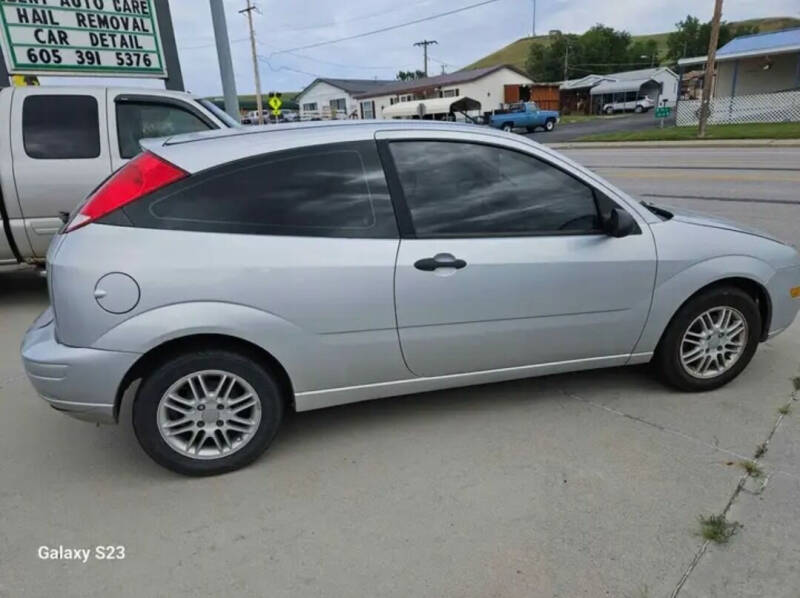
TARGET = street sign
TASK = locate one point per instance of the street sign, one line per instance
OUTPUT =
(275, 103)
(663, 111)
(112, 38)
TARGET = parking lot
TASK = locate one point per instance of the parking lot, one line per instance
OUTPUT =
(585, 484)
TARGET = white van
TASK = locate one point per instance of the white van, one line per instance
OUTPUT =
(59, 143)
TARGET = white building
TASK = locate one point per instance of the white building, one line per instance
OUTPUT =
(593, 91)
(491, 87)
(334, 98)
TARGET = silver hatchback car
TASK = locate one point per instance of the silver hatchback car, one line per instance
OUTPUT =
(240, 274)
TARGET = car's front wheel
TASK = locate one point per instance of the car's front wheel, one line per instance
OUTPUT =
(710, 340)
(508, 127)
(207, 412)
(638, 109)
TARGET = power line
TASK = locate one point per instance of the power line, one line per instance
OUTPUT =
(389, 28)
(233, 41)
(347, 66)
(353, 20)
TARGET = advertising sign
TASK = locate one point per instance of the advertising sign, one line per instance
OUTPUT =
(112, 38)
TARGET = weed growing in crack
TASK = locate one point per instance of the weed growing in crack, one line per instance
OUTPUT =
(715, 528)
(761, 450)
(786, 409)
(752, 468)
(796, 381)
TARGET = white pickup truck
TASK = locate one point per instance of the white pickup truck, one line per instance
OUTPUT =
(58, 143)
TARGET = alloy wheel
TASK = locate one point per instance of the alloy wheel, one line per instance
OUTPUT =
(209, 414)
(713, 342)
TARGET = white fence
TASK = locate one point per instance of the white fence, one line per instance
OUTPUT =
(778, 107)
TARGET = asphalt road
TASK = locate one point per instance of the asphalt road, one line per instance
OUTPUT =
(587, 484)
(756, 186)
(619, 122)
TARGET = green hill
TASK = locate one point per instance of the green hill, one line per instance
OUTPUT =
(516, 52)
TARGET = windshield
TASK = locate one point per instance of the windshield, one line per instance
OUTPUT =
(226, 118)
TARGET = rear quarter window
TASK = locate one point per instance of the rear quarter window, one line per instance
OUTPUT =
(61, 127)
(335, 190)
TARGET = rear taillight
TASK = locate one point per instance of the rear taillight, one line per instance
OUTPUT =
(142, 175)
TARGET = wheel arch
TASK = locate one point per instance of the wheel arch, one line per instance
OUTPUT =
(753, 288)
(194, 342)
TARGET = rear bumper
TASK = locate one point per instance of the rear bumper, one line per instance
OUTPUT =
(80, 382)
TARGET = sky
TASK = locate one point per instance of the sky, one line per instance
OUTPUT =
(462, 37)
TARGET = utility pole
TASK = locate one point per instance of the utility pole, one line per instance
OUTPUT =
(259, 104)
(533, 28)
(425, 43)
(566, 63)
(224, 57)
(710, 63)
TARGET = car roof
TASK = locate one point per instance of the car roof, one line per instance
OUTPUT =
(197, 151)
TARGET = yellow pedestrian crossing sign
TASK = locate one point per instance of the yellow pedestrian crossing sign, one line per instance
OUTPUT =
(275, 103)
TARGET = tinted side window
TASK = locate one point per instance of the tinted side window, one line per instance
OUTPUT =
(336, 190)
(61, 127)
(139, 120)
(465, 189)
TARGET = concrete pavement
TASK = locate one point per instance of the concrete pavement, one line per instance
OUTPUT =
(576, 485)
(604, 124)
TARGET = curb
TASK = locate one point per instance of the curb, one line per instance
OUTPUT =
(712, 143)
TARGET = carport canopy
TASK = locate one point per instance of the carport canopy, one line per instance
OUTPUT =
(432, 106)
(619, 86)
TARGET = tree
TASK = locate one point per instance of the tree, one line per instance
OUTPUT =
(691, 37)
(599, 50)
(410, 75)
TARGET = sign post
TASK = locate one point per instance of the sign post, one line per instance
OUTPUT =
(662, 112)
(116, 38)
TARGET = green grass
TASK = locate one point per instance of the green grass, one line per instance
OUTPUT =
(743, 131)
(716, 529)
(516, 52)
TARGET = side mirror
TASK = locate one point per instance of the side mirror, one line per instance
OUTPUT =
(619, 223)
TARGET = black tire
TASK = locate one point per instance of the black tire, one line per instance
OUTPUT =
(638, 109)
(609, 110)
(508, 127)
(667, 359)
(172, 369)
(550, 125)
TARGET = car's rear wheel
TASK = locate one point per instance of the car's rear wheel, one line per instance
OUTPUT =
(710, 340)
(207, 412)
(508, 127)
(638, 109)
(609, 110)
(549, 125)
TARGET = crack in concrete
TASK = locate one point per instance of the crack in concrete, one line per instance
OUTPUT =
(740, 486)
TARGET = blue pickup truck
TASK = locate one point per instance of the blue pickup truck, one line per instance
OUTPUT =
(526, 115)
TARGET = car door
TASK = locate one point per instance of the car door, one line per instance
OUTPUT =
(502, 262)
(133, 117)
(59, 143)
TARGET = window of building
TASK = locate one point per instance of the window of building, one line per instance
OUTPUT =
(464, 189)
(139, 120)
(450, 93)
(339, 104)
(335, 190)
(311, 106)
(368, 109)
(61, 127)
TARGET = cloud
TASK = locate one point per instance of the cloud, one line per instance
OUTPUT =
(463, 37)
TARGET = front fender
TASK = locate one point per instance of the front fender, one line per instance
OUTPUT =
(673, 288)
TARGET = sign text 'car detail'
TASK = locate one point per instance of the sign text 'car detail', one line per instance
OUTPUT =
(79, 37)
